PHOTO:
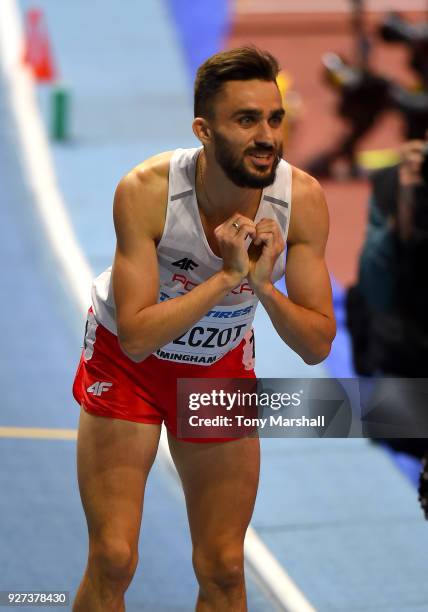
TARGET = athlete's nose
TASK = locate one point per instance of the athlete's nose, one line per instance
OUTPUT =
(264, 136)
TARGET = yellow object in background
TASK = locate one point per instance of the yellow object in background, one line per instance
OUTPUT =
(380, 158)
(291, 101)
(284, 81)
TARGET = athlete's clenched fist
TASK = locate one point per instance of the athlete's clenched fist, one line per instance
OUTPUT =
(265, 249)
(231, 236)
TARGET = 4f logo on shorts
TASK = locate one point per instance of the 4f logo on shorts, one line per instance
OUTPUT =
(185, 264)
(99, 387)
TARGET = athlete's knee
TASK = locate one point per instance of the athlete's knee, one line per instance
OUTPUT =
(113, 559)
(219, 568)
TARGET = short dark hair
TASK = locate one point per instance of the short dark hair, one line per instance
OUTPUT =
(240, 64)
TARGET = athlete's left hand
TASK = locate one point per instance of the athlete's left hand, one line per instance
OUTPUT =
(263, 253)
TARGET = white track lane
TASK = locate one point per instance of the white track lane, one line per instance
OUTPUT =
(39, 172)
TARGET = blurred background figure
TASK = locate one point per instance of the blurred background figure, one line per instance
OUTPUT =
(386, 309)
(388, 305)
(423, 485)
(365, 93)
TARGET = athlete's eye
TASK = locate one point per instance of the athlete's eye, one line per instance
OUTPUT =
(276, 120)
(246, 120)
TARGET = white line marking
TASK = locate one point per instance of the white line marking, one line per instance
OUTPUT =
(38, 433)
(40, 175)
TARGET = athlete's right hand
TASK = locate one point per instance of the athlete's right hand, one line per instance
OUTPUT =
(231, 242)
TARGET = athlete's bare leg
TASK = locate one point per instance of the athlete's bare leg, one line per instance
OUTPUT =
(220, 484)
(114, 458)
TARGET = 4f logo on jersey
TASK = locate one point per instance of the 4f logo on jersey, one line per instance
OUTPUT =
(185, 264)
(99, 387)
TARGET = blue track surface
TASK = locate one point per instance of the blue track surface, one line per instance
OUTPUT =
(38, 327)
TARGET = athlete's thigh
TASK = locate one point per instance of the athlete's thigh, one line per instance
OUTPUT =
(220, 484)
(114, 458)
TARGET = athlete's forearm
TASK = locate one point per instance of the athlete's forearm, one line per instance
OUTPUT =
(159, 324)
(307, 332)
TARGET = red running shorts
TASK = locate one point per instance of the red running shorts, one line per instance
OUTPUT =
(109, 384)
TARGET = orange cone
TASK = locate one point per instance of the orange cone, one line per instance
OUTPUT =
(37, 52)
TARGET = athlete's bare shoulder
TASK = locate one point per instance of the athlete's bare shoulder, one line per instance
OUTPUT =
(154, 168)
(309, 212)
(142, 195)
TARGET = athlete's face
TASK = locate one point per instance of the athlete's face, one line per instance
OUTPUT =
(247, 132)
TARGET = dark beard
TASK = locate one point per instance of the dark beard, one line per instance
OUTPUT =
(234, 167)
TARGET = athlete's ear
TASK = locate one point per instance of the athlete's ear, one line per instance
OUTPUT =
(202, 130)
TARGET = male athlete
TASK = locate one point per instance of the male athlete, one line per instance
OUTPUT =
(200, 239)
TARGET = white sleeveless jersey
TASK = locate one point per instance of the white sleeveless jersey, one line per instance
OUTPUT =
(185, 260)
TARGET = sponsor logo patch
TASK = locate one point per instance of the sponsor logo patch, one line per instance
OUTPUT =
(185, 264)
(98, 388)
